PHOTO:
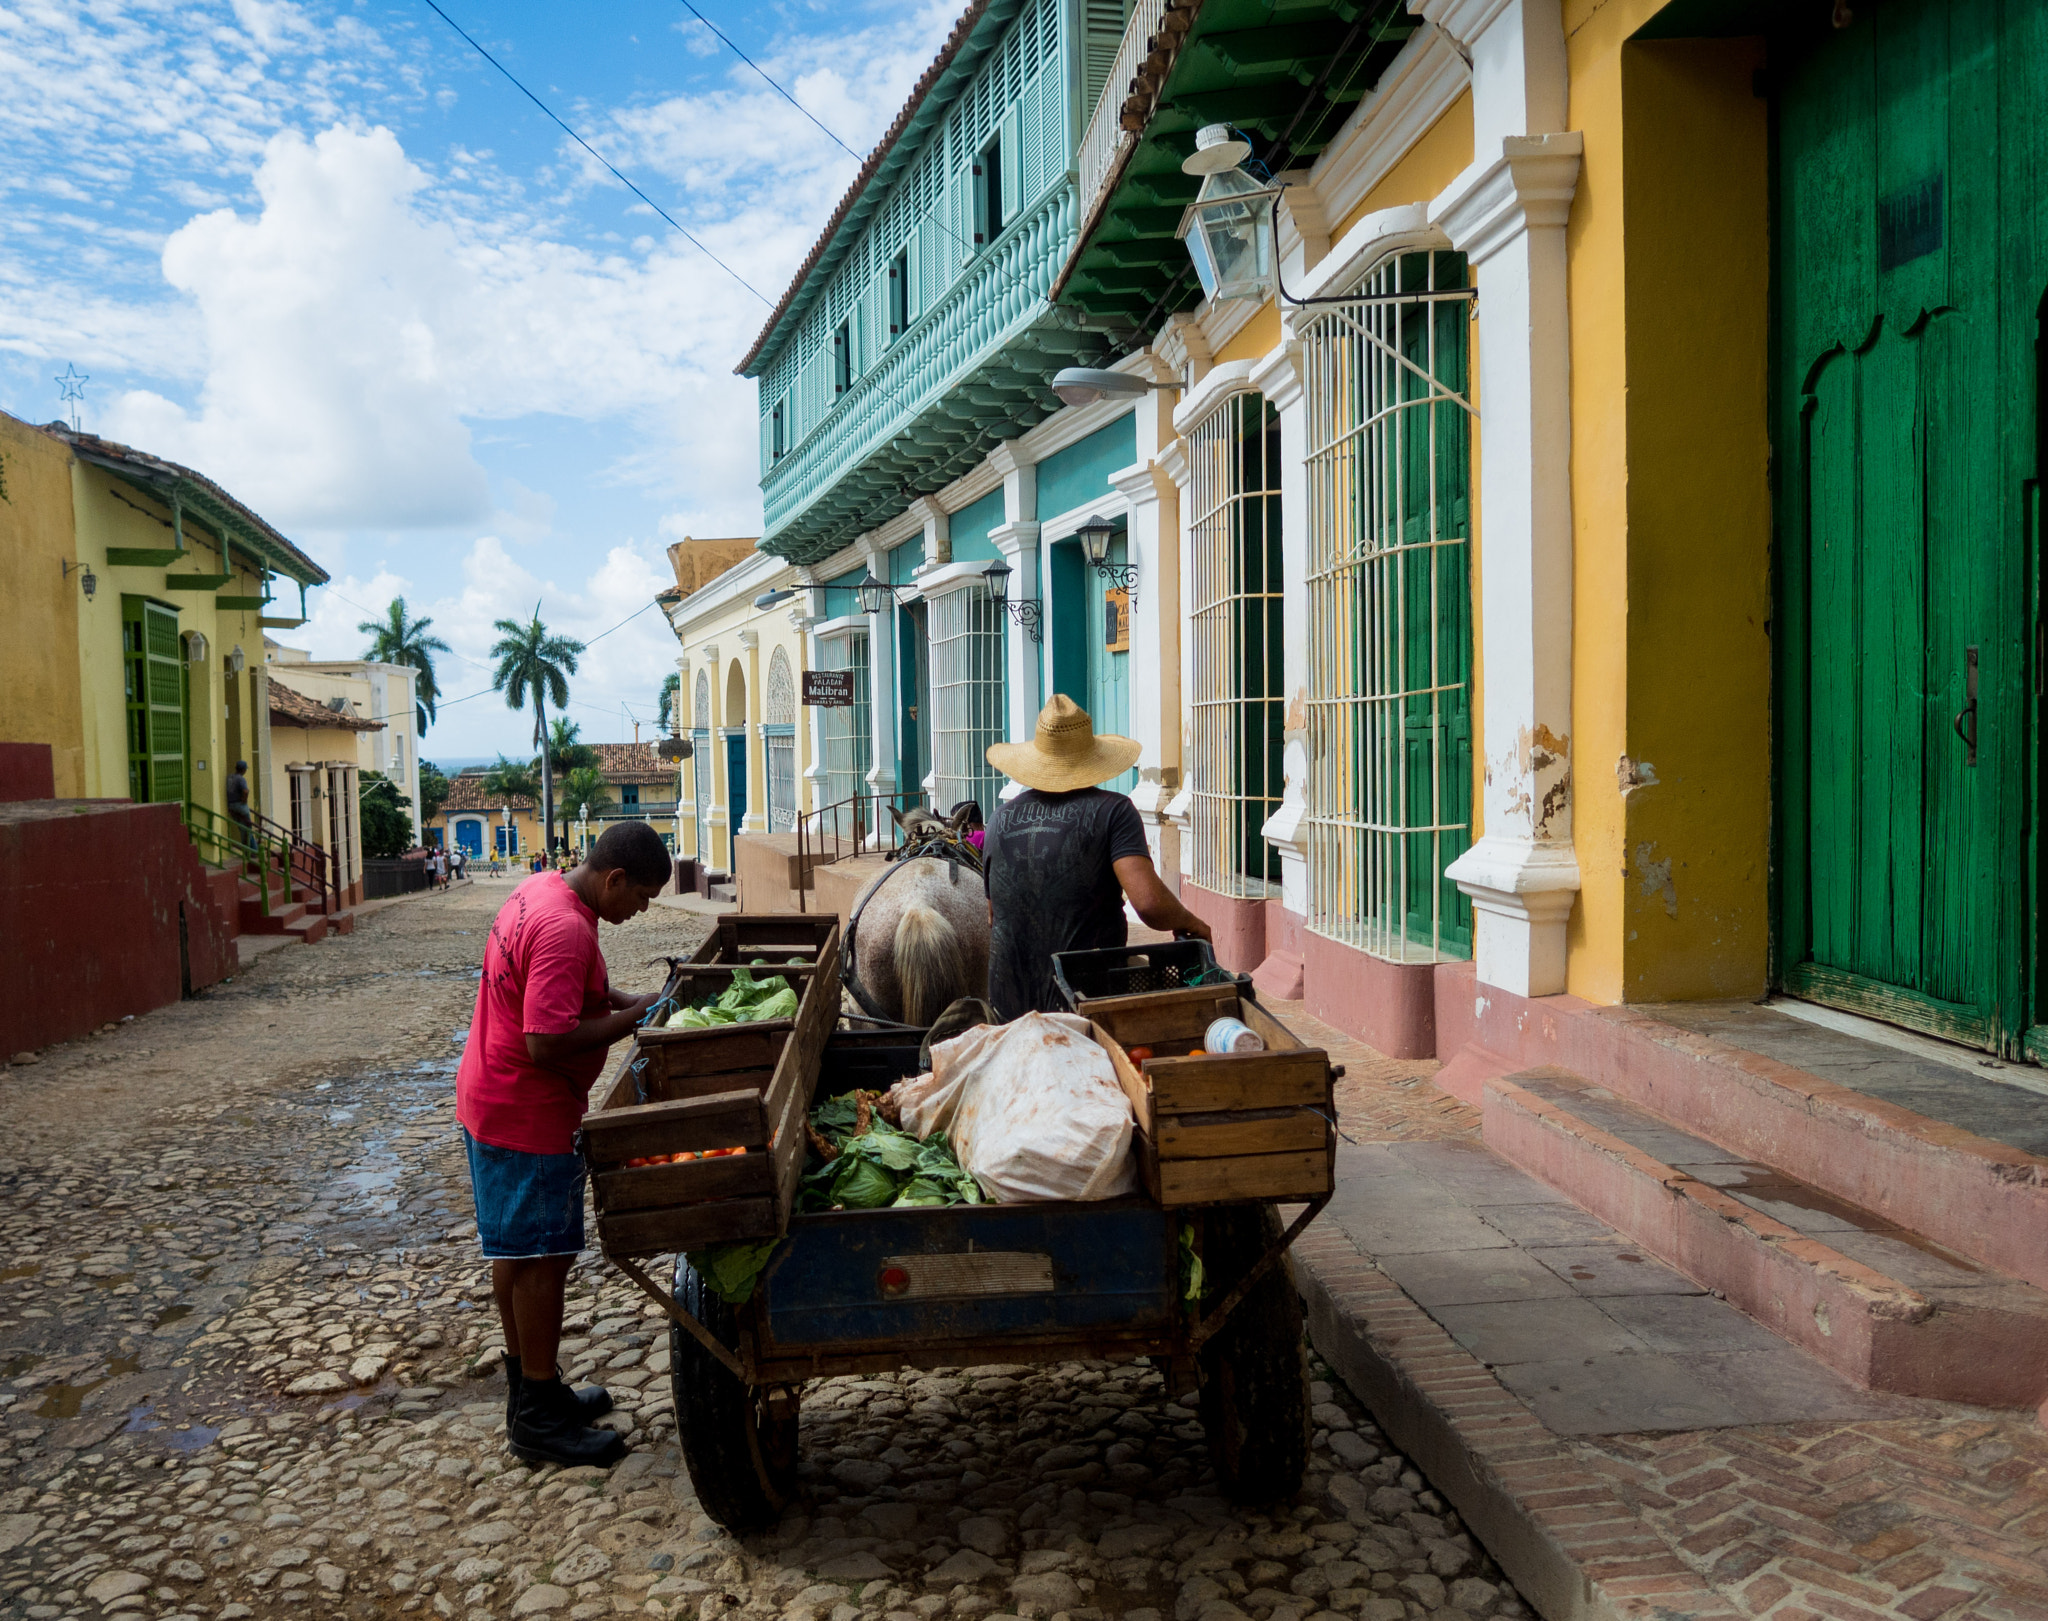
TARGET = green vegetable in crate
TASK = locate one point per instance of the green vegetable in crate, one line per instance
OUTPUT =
(746, 1001)
(862, 1161)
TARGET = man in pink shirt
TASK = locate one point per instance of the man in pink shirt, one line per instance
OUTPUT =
(545, 1016)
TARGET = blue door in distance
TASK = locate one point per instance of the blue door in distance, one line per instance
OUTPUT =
(736, 781)
(469, 837)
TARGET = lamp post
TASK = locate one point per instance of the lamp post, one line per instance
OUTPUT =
(1026, 612)
(583, 829)
(505, 811)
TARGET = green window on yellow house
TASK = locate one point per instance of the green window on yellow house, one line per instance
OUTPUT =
(153, 679)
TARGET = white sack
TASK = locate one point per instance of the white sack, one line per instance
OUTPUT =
(1032, 1109)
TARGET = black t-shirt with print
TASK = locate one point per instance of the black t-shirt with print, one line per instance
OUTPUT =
(1051, 861)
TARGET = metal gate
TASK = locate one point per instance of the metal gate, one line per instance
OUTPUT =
(967, 697)
(846, 732)
(1390, 435)
(1235, 601)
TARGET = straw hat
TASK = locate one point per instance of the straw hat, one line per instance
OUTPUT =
(1066, 754)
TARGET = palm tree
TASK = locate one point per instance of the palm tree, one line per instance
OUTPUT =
(566, 745)
(534, 667)
(586, 786)
(513, 779)
(398, 638)
(665, 716)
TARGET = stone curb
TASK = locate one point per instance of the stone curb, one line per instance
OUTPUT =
(1565, 1537)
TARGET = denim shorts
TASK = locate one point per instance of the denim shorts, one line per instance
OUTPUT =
(526, 1204)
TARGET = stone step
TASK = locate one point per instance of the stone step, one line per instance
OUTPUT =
(1880, 1303)
(1936, 1149)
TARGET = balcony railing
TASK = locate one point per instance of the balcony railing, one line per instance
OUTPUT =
(1106, 137)
(1001, 294)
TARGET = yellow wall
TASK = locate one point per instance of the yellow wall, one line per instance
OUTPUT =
(1669, 259)
(524, 822)
(1256, 339)
(40, 604)
(1431, 164)
(111, 512)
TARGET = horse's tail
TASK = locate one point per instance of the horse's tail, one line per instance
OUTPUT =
(927, 952)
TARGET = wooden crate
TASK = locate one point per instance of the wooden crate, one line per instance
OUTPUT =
(740, 937)
(1221, 1128)
(745, 1086)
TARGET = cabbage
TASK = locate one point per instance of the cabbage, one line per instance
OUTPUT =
(730, 1271)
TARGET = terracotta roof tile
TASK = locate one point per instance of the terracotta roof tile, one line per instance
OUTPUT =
(294, 708)
(631, 762)
(467, 793)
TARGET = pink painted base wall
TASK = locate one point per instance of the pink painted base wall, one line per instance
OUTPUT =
(1390, 1006)
(1240, 925)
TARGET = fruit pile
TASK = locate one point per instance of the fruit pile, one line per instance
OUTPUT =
(684, 1158)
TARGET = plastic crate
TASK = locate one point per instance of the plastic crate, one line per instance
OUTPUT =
(1167, 965)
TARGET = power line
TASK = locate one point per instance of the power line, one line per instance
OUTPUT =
(772, 85)
(601, 158)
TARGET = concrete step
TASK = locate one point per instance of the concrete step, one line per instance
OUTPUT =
(1946, 1150)
(724, 892)
(292, 919)
(1880, 1303)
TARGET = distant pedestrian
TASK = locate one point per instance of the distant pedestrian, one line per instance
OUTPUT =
(461, 863)
(546, 1015)
(237, 794)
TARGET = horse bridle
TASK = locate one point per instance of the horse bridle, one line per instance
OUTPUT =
(946, 847)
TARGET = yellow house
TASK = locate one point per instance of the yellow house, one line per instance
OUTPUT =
(482, 824)
(751, 766)
(136, 596)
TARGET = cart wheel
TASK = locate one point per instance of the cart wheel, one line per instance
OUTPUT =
(739, 1442)
(1254, 1401)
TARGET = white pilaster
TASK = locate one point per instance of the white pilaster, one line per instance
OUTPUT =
(1278, 376)
(1507, 213)
(882, 663)
(1176, 853)
(1023, 658)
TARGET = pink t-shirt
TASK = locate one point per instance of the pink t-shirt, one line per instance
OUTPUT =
(543, 975)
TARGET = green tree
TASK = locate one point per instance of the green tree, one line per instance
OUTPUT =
(386, 817)
(585, 786)
(514, 779)
(433, 790)
(566, 745)
(533, 668)
(665, 716)
(398, 638)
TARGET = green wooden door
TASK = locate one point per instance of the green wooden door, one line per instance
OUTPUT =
(153, 683)
(1909, 277)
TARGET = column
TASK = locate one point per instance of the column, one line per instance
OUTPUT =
(716, 817)
(1153, 544)
(808, 616)
(757, 752)
(883, 709)
(1279, 378)
(1507, 213)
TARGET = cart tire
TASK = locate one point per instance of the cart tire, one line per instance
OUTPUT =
(741, 1456)
(1254, 1401)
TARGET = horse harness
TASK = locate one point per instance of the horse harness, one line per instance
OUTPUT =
(955, 852)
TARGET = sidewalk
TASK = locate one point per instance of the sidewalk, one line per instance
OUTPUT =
(1624, 1443)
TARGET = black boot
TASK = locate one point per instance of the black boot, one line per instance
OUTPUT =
(595, 1400)
(549, 1427)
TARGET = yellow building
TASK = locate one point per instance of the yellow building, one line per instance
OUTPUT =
(751, 766)
(482, 824)
(136, 594)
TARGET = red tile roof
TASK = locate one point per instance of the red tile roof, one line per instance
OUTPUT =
(291, 707)
(631, 762)
(467, 793)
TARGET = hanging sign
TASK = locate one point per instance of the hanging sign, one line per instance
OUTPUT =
(828, 689)
(1116, 620)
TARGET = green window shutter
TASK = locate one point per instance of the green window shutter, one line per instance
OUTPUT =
(1012, 148)
(1102, 31)
(153, 681)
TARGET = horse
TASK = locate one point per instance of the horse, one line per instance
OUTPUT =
(920, 930)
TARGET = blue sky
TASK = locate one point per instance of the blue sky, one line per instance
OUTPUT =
(325, 254)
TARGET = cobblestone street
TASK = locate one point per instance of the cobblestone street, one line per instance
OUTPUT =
(249, 1368)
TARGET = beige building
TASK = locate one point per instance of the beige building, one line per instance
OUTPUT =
(751, 767)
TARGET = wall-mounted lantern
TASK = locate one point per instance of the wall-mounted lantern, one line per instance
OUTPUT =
(195, 647)
(1026, 612)
(1229, 226)
(1095, 536)
(88, 582)
(875, 593)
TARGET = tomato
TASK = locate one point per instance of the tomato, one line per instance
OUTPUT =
(1140, 1054)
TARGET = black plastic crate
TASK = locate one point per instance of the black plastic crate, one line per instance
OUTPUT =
(1168, 965)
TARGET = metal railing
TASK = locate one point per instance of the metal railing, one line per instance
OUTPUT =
(1105, 138)
(859, 825)
(306, 864)
(262, 850)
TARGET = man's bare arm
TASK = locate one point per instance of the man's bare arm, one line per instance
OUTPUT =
(1157, 905)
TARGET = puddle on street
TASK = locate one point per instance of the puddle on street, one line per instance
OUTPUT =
(27, 1269)
(172, 1314)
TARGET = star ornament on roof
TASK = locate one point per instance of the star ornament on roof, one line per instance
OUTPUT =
(71, 389)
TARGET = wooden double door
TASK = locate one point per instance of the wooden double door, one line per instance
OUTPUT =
(1910, 234)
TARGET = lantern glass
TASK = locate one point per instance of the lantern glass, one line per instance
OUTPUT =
(998, 576)
(1229, 232)
(872, 591)
(1095, 536)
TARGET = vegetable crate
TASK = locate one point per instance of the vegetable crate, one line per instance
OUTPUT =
(1117, 974)
(743, 1086)
(740, 937)
(1219, 1128)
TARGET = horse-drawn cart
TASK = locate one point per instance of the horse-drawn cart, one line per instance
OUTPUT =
(871, 1291)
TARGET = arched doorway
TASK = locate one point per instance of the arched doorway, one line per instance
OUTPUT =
(735, 747)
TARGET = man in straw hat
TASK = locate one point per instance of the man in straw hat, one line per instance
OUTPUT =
(1062, 856)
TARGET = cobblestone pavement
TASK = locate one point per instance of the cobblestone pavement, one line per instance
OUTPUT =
(247, 1367)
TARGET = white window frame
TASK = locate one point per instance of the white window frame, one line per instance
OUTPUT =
(1389, 796)
(1230, 608)
(968, 691)
(846, 733)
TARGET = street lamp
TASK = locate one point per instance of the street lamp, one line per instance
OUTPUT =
(874, 593)
(1229, 226)
(1025, 612)
(1095, 536)
(505, 811)
(583, 826)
